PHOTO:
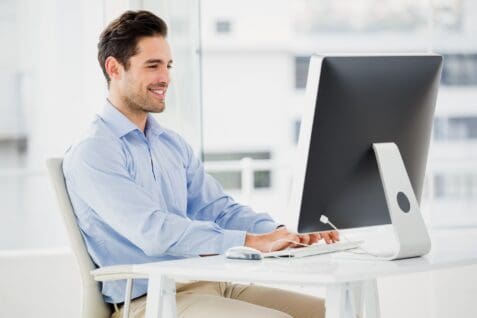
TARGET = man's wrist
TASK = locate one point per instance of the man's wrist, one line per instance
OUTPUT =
(251, 240)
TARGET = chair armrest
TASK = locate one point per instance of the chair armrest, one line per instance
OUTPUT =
(116, 272)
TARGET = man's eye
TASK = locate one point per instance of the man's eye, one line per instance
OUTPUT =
(152, 66)
(169, 66)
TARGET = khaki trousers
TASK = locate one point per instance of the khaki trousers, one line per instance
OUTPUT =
(219, 299)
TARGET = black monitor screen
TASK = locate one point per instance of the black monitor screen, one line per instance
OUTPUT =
(363, 100)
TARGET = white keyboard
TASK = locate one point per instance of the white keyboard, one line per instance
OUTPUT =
(315, 249)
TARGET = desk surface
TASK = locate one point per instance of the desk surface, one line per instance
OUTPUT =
(450, 248)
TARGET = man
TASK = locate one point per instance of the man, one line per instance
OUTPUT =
(140, 195)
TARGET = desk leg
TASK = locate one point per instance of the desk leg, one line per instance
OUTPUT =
(371, 299)
(169, 298)
(161, 297)
(354, 299)
(335, 300)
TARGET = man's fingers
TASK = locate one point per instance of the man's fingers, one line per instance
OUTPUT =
(282, 240)
(336, 235)
(305, 239)
(285, 239)
(314, 238)
(278, 246)
(293, 239)
(333, 236)
(326, 237)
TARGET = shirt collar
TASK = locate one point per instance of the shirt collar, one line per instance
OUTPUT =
(153, 126)
(121, 125)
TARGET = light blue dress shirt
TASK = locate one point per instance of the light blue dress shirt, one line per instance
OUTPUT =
(144, 197)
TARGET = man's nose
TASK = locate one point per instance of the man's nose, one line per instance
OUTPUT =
(163, 75)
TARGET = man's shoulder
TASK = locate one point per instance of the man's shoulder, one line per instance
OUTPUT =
(96, 138)
(172, 133)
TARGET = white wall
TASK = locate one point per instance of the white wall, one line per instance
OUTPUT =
(39, 283)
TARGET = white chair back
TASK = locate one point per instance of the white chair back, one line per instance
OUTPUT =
(93, 305)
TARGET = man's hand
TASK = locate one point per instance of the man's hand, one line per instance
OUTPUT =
(311, 238)
(277, 240)
(281, 238)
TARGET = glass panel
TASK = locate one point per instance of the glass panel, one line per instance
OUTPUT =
(453, 160)
(223, 26)
(455, 128)
(254, 80)
(183, 113)
(262, 179)
(341, 16)
(460, 69)
(301, 71)
(230, 166)
(50, 87)
(230, 180)
(223, 156)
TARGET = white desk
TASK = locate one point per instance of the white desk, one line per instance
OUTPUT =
(351, 284)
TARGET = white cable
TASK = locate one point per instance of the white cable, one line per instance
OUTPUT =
(324, 219)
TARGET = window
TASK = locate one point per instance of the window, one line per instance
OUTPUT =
(230, 175)
(460, 69)
(301, 71)
(223, 26)
(296, 130)
(14, 147)
(223, 156)
(262, 179)
(230, 180)
(455, 186)
(455, 128)
(13, 137)
(371, 16)
(447, 15)
(260, 78)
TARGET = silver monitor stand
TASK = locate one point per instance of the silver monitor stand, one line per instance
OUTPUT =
(409, 228)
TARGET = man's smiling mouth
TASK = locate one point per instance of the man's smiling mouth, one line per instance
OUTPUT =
(158, 92)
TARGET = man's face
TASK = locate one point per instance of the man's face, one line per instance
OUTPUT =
(143, 86)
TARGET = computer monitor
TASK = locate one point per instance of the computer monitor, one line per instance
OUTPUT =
(353, 103)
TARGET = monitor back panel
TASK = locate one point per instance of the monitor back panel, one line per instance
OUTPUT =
(364, 100)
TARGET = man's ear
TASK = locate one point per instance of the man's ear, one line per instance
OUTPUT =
(113, 68)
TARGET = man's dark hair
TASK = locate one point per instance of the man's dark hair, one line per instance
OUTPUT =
(120, 37)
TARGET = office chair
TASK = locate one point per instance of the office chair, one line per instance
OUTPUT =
(93, 305)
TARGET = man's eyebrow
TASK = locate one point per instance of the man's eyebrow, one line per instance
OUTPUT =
(156, 61)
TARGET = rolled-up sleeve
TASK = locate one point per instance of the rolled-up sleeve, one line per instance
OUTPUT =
(96, 170)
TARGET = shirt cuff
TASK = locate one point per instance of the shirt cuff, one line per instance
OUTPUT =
(232, 238)
(266, 226)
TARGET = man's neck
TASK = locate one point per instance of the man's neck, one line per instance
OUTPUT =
(138, 118)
